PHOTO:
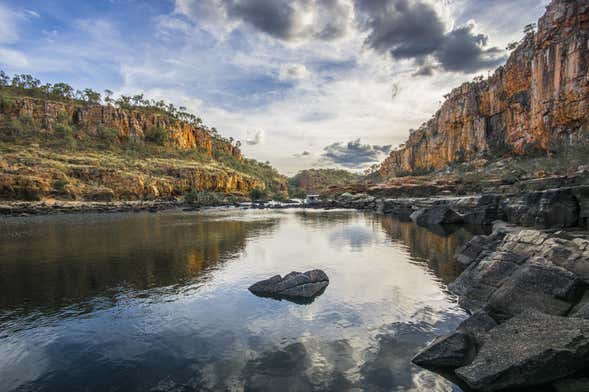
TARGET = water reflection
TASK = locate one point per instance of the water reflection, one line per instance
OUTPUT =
(52, 262)
(160, 302)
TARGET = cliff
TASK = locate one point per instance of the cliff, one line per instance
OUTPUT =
(537, 100)
(38, 162)
(130, 124)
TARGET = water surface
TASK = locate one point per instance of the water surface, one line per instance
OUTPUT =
(136, 302)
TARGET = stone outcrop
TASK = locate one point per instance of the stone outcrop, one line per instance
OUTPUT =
(131, 125)
(528, 289)
(293, 286)
(539, 98)
(530, 349)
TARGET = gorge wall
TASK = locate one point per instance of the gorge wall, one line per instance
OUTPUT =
(538, 99)
(130, 124)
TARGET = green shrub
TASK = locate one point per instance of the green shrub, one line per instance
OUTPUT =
(107, 135)
(257, 194)
(204, 198)
(65, 133)
(6, 102)
(157, 135)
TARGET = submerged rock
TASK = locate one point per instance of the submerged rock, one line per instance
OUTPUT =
(296, 285)
(530, 349)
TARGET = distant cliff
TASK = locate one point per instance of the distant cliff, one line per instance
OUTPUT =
(538, 99)
(131, 124)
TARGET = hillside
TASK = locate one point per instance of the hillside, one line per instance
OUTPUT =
(537, 104)
(319, 181)
(57, 143)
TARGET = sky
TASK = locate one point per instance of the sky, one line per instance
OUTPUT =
(301, 83)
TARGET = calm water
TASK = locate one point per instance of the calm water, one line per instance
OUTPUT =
(159, 302)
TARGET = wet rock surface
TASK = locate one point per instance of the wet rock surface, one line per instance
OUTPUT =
(303, 286)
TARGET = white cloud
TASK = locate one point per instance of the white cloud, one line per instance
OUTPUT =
(13, 58)
(253, 138)
(293, 72)
(8, 25)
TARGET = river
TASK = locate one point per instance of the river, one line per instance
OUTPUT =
(159, 302)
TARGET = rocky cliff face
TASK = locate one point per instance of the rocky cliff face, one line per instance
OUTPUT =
(130, 124)
(538, 99)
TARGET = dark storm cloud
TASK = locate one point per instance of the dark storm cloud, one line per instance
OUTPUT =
(354, 154)
(405, 29)
(462, 50)
(413, 30)
(283, 19)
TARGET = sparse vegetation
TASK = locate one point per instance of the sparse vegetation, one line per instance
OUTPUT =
(319, 181)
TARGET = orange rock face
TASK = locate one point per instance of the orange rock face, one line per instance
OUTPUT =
(538, 99)
(131, 124)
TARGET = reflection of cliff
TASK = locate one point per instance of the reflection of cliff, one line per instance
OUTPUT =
(433, 248)
(70, 259)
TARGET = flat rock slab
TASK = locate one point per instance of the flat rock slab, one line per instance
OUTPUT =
(296, 285)
(530, 349)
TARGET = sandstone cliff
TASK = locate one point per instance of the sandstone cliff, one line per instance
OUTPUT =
(538, 99)
(38, 164)
(130, 124)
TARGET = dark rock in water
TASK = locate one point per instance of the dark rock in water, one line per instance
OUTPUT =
(530, 349)
(453, 350)
(296, 285)
(458, 348)
(437, 215)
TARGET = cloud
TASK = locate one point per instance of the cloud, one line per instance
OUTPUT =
(8, 25)
(354, 154)
(287, 20)
(293, 72)
(253, 138)
(463, 50)
(409, 29)
(13, 58)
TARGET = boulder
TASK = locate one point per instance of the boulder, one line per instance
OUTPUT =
(485, 212)
(437, 215)
(453, 350)
(547, 209)
(480, 280)
(530, 349)
(543, 287)
(459, 347)
(296, 285)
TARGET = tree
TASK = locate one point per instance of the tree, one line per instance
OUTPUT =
(257, 194)
(137, 99)
(108, 96)
(4, 79)
(512, 45)
(530, 28)
(62, 90)
(91, 96)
